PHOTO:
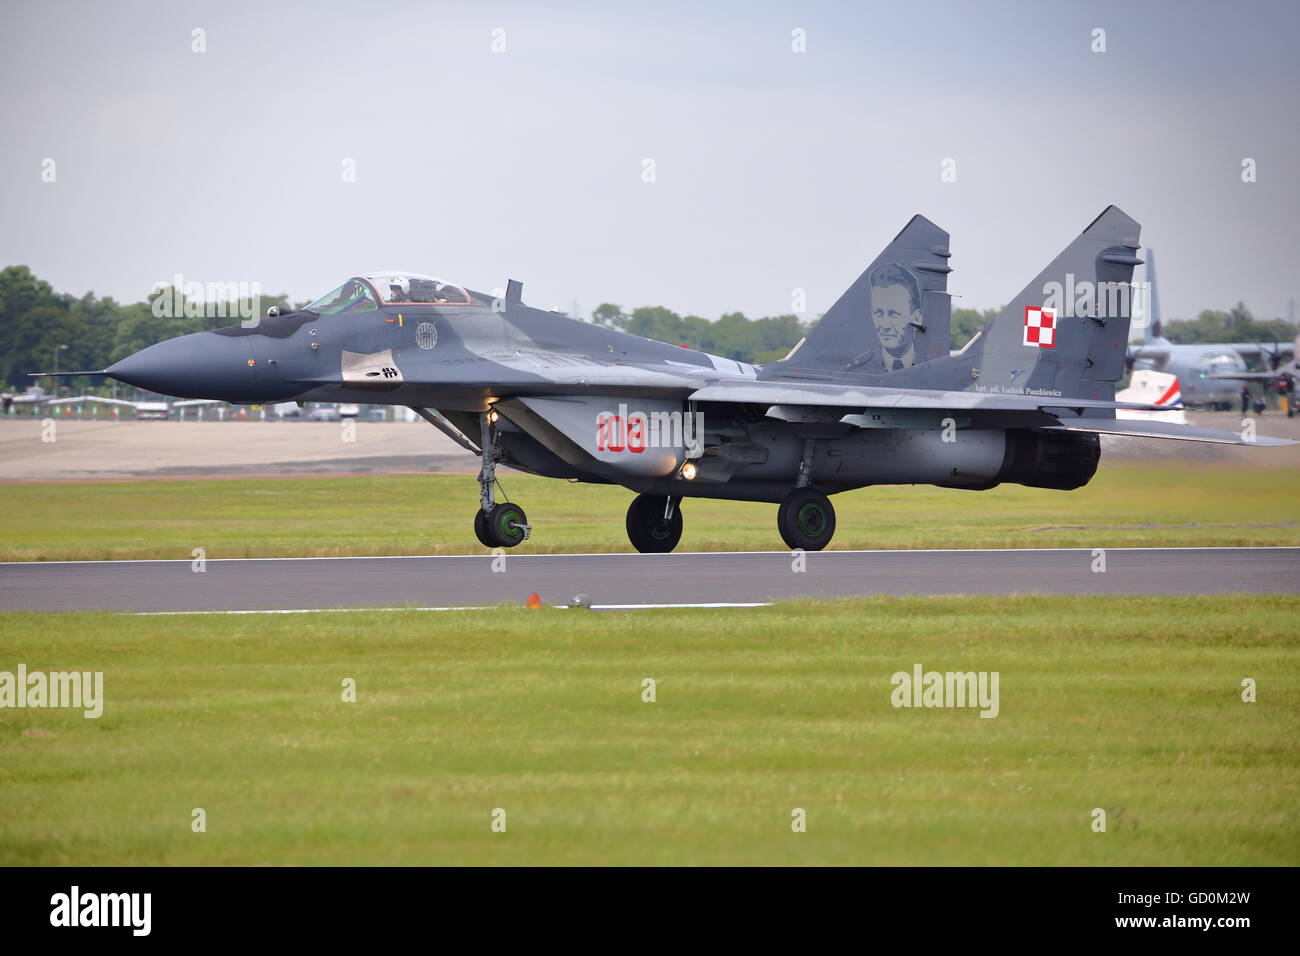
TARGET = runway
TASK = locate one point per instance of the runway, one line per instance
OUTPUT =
(692, 579)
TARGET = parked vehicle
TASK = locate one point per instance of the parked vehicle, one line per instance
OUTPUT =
(159, 411)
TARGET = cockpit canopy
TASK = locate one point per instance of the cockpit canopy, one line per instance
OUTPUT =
(1224, 360)
(368, 292)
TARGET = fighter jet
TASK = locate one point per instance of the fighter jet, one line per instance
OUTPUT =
(870, 396)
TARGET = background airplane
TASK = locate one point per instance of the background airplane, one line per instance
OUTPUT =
(1284, 377)
(1206, 372)
(1291, 368)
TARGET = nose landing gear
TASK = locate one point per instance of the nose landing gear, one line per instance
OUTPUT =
(503, 524)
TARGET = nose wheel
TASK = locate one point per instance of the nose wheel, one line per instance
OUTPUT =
(504, 526)
(496, 524)
(654, 523)
(806, 519)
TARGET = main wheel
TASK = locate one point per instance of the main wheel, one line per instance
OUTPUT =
(647, 528)
(806, 519)
(501, 525)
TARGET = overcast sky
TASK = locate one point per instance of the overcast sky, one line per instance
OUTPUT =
(774, 170)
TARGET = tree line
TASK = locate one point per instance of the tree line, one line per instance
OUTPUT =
(1234, 325)
(747, 340)
(41, 329)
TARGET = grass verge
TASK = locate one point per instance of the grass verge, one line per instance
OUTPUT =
(1125, 506)
(1132, 705)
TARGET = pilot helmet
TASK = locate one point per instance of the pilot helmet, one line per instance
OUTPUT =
(401, 284)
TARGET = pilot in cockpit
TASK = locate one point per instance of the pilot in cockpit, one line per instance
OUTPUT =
(399, 289)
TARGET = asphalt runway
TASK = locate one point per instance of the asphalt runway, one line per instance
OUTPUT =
(692, 579)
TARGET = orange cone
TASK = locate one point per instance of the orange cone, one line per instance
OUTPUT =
(533, 601)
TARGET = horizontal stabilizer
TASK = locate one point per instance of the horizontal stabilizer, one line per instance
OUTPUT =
(1155, 429)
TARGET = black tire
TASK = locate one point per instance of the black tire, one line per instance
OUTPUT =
(806, 519)
(646, 527)
(481, 530)
(499, 525)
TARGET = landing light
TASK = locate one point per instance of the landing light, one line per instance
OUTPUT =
(493, 416)
(688, 471)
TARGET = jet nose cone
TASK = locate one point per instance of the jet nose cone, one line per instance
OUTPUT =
(202, 365)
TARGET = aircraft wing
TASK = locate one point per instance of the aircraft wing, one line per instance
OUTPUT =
(1149, 353)
(560, 369)
(774, 394)
(1245, 349)
(1250, 376)
(868, 396)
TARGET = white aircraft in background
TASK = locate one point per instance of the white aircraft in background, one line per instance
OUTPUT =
(1152, 388)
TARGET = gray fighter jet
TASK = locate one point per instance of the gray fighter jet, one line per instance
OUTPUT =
(870, 396)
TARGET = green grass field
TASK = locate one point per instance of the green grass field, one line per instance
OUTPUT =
(1132, 705)
(1125, 505)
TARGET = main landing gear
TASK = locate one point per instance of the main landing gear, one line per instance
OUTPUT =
(503, 524)
(806, 519)
(654, 523)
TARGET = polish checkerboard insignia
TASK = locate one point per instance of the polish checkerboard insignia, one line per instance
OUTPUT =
(1040, 327)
